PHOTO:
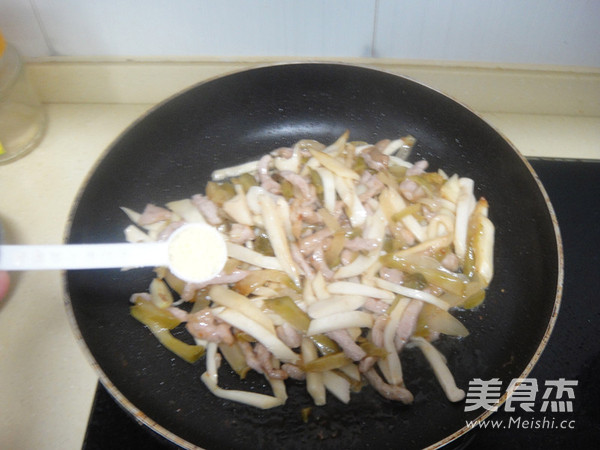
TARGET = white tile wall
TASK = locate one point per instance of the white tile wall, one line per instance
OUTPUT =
(516, 31)
(562, 32)
(208, 27)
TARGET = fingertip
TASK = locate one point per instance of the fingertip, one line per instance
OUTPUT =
(4, 283)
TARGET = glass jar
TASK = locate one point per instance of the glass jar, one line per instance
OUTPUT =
(22, 116)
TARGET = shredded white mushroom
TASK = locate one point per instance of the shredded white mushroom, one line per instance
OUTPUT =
(438, 363)
(234, 171)
(335, 304)
(210, 379)
(337, 257)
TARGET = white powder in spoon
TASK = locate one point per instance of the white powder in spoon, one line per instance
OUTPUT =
(197, 252)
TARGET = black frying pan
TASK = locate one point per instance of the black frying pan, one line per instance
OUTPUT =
(169, 154)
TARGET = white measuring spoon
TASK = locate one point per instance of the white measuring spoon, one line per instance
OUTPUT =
(194, 253)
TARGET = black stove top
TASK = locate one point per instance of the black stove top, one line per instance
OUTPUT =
(573, 352)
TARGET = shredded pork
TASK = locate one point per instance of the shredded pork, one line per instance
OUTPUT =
(334, 251)
(204, 325)
(349, 346)
(391, 392)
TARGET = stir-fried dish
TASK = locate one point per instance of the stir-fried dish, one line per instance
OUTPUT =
(339, 257)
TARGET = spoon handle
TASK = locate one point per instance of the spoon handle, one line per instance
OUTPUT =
(82, 256)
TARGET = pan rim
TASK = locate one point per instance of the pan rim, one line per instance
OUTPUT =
(144, 419)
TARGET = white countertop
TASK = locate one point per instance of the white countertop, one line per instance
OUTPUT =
(46, 382)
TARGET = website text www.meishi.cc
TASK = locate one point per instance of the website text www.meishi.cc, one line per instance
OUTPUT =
(545, 423)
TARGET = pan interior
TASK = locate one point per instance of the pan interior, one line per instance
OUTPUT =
(169, 154)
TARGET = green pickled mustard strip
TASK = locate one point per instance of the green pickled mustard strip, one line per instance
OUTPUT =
(305, 412)
(355, 385)
(440, 253)
(219, 193)
(474, 300)
(333, 252)
(315, 179)
(408, 211)
(262, 244)
(473, 236)
(187, 352)
(258, 278)
(388, 244)
(201, 300)
(353, 233)
(359, 165)
(245, 180)
(398, 172)
(289, 311)
(327, 362)
(330, 221)
(235, 358)
(469, 264)
(435, 179)
(474, 293)
(428, 187)
(445, 279)
(325, 345)
(415, 281)
(372, 350)
(287, 189)
(146, 311)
